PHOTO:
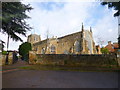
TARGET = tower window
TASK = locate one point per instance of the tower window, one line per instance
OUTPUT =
(35, 38)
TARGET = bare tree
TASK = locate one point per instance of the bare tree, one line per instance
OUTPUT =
(100, 41)
(47, 40)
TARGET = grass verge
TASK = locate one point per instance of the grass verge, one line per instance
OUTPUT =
(69, 68)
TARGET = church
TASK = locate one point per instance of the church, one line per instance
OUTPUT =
(76, 43)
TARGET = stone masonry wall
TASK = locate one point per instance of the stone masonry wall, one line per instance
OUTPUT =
(73, 59)
(10, 58)
(3, 59)
(62, 44)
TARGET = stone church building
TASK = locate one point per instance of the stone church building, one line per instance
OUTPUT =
(77, 43)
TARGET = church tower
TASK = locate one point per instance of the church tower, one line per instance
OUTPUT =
(33, 38)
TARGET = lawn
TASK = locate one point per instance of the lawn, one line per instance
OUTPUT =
(73, 68)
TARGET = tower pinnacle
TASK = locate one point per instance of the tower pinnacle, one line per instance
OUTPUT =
(82, 27)
(90, 29)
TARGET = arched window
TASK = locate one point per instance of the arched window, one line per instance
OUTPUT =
(43, 51)
(53, 49)
(77, 46)
(71, 50)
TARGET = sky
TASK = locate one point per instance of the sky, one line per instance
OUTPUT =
(63, 18)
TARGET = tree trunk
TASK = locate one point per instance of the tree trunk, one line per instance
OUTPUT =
(7, 50)
(119, 41)
(8, 43)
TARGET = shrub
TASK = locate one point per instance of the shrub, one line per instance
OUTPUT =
(24, 49)
(4, 52)
(104, 50)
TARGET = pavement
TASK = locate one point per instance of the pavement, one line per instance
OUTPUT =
(13, 67)
(57, 79)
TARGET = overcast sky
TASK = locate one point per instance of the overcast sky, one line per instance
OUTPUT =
(62, 18)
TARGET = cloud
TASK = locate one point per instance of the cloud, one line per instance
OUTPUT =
(60, 22)
(106, 27)
(62, 18)
(26, 1)
(68, 20)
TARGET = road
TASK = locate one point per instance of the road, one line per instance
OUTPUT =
(59, 79)
(16, 78)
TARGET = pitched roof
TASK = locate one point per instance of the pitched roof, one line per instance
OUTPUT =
(55, 38)
(112, 47)
(115, 45)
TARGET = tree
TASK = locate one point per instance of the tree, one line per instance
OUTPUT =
(119, 41)
(47, 41)
(116, 6)
(100, 41)
(104, 50)
(2, 45)
(24, 49)
(13, 20)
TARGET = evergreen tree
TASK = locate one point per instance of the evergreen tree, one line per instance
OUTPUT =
(13, 20)
(114, 5)
(24, 49)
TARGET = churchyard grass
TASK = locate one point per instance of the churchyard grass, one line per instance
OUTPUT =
(72, 68)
